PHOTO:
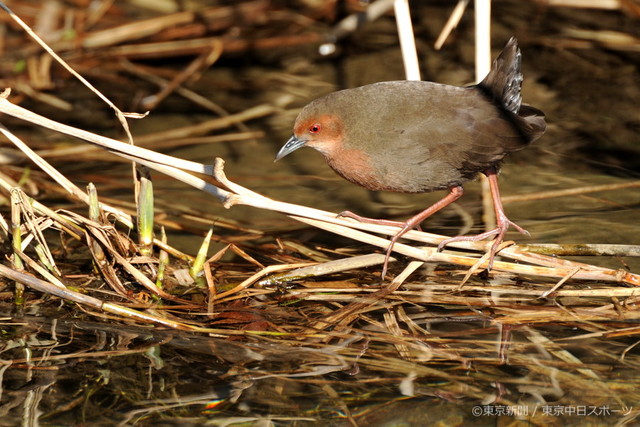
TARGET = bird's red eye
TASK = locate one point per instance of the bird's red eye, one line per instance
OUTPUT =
(315, 128)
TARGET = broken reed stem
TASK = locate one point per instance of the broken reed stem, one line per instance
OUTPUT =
(50, 170)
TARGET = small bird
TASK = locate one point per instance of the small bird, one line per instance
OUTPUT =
(418, 136)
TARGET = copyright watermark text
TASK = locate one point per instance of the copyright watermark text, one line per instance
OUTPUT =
(548, 410)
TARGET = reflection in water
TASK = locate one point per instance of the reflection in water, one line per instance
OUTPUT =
(463, 365)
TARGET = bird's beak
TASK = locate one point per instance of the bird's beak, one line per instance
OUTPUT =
(292, 145)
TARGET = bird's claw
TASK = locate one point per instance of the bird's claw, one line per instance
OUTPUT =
(498, 232)
(349, 214)
(364, 219)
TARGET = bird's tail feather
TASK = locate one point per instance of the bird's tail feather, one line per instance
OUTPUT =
(504, 83)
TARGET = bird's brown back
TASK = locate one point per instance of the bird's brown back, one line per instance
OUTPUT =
(420, 136)
(416, 136)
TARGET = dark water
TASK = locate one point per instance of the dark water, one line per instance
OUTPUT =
(470, 372)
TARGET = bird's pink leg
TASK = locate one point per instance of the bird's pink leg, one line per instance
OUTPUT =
(503, 222)
(454, 194)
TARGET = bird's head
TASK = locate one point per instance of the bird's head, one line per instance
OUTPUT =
(324, 132)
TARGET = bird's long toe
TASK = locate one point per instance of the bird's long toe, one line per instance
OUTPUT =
(497, 233)
(474, 238)
(366, 220)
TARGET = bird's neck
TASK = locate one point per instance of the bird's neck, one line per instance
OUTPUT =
(353, 165)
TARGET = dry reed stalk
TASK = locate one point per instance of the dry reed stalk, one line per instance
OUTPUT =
(407, 40)
(451, 24)
(146, 73)
(586, 4)
(201, 63)
(178, 25)
(347, 314)
(607, 38)
(541, 195)
(125, 312)
(155, 50)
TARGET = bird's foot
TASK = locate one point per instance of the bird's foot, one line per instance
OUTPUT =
(401, 225)
(404, 227)
(364, 219)
(411, 223)
(498, 232)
